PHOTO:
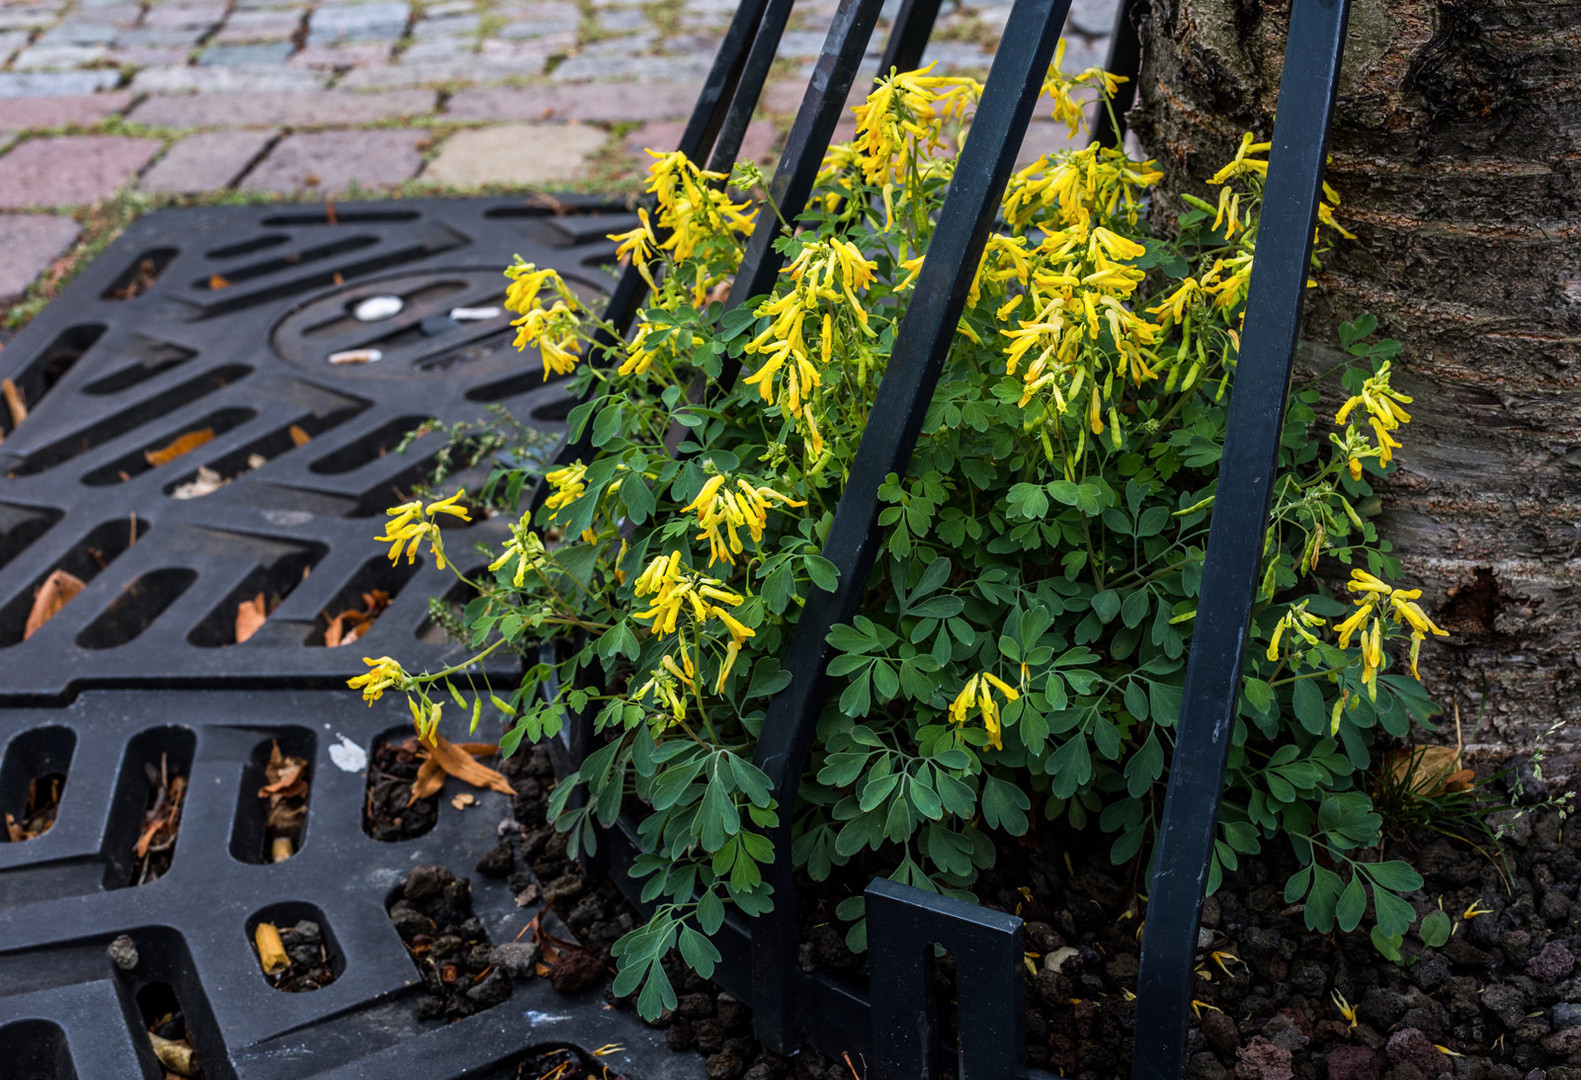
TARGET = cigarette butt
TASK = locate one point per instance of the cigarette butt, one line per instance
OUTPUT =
(13, 401)
(356, 356)
(178, 1057)
(271, 950)
(281, 849)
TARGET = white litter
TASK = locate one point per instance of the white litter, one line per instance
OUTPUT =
(474, 314)
(375, 308)
(348, 756)
(356, 356)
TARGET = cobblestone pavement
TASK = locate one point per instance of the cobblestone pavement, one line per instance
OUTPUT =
(111, 107)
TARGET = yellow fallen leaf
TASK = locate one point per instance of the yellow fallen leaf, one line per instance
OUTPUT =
(298, 436)
(57, 590)
(184, 445)
(1428, 770)
(445, 758)
(250, 615)
(271, 950)
(217, 282)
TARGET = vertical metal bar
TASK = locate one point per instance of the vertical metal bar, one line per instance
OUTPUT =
(1125, 58)
(926, 333)
(1235, 539)
(903, 926)
(908, 37)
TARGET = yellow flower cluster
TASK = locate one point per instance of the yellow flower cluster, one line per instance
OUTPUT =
(978, 694)
(721, 510)
(555, 330)
(410, 523)
(384, 674)
(1382, 404)
(1296, 620)
(1060, 88)
(1376, 599)
(675, 590)
(903, 120)
(569, 483)
(693, 211)
(525, 547)
(825, 271)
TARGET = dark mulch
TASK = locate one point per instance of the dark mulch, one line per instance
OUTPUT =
(390, 814)
(432, 911)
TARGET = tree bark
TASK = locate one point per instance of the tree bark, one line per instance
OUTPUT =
(1456, 152)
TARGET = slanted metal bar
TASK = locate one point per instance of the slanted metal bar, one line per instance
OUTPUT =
(926, 334)
(903, 926)
(761, 57)
(1125, 58)
(1235, 539)
(908, 37)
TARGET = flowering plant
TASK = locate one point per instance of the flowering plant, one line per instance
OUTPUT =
(1021, 645)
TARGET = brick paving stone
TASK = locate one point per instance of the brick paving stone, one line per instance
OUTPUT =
(272, 52)
(515, 154)
(638, 68)
(445, 48)
(447, 26)
(598, 103)
(612, 53)
(209, 161)
(49, 112)
(466, 69)
(70, 169)
(356, 54)
(58, 57)
(25, 18)
(24, 84)
(142, 56)
(326, 162)
(622, 20)
(245, 26)
(1094, 18)
(289, 109)
(267, 79)
(11, 41)
(120, 15)
(534, 27)
(185, 16)
(160, 37)
(535, 51)
(30, 242)
(1047, 137)
(760, 143)
(357, 22)
(79, 33)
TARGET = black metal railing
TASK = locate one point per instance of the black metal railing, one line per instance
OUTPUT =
(892, 1020)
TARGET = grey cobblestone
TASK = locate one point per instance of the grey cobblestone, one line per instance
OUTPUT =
(246, 26)
(221, 80)
(638, 68)
(58, 57)
(79, 33)
(358, 22)
(242, 55)
(55, 83)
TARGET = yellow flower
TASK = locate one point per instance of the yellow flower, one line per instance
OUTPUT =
(978, 693)
(526, 548)
(448, 506)
(555, 331)
(409, 525)
(674, 590)
(721, 510)
(903, 119)
(385, 674)
(1297, 619)
(1376, 597)
(568, 483)
(1243, 164)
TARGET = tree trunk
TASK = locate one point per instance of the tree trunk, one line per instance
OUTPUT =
(1456, 151)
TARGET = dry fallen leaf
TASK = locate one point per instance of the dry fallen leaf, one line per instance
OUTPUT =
(1428, 770)
(351, 624)
(271, 950)
(184, 445)
(54, 594)
(218, 282)
(447, 758)
(250, 615)
(330, 215)
(207, 482)
(13, 401)
(298, 436)
(175, 1055)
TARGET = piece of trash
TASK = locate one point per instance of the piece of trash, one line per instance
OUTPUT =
(271, 950)
(217, 282)
(464, 800)
(356, 356)
(527, 896)
(183, 445)
(123, 951)
(256, 461)
(281, 849)
(298, 436)
(250, 615)
(348, 756)
(435, 325)
(207, 482)
(375, 308)
(176, 1056)
(474, 314)
(13, 401)
(445, 758)
(56, 592)
(351, 624)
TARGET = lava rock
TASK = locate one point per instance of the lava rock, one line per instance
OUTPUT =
(1204, 1066)
(1352, 1063)
(306, 932)
(493, 989)
(1567, 1014)
(1409, 1046)
(1260, 1059)
(1506, 1003)
(1552, 964)
(408, 920)
(1430, 973)
(574, 970)
(515, 958)
(426, 883)
(1219, 1029)
(723, 1065)
(500, 862)
(1381, 1007)
(123, 951)
(563, 889)
(731, 1012)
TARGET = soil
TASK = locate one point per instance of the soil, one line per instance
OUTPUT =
(461, 971)
(43, 804)
(311, 966)
(390, 814)
(558, 1063)
(1501, 999)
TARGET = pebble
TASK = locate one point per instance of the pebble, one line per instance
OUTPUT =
(1567, 1014)
(474, 314)
(1552, 964)
(375, 308)
(123, 950)
(515, 958)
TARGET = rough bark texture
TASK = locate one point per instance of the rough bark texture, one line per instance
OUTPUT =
(1456, 151)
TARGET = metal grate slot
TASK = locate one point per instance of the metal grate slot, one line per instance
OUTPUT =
(158, 357)
(136, 608)
(20, 526)
(250, 825)
(274, 580)
(155, 758)
(146, 458)
(84, 560)
(36, 766)
(140, 274)
(50, 366)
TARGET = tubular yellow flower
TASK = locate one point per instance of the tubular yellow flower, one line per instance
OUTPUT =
(721, 510)
(568, 483)
(526, 548)
(555, 331)
(1243, 164)
(978, 694)
(385, 674)
(448, 506)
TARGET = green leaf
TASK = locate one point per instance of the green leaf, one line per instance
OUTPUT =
(1352, 904)
(698, 952)
(1135, 608)
(823, 573)
(1307, 700)
(1394, 914)
(1388, 945)
(1395, 875)
(1106, 605)
(1435, 929)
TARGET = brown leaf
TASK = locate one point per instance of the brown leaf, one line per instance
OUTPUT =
(351, 624)
(54, 594)
(458, 761)
(13, 401)
(14, 831)
(298, 436)
(464, 800)
(250, 615)
(329, 211)
(1424, 770)
(217, 282)
(185, 444)
(430, 779)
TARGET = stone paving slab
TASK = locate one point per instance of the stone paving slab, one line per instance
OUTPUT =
(595, 103)
(461, 69)
(69, 170)
(297, 109)
(26, 114)
(246, 26)
(326, 162)
(208, 161)
(261, 79)
(31, 242)
(516, 154)
(760, 143)
(23, 84)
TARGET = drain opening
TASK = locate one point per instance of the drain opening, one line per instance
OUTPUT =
(270, 824)
(131, 418)
(347, 321)
(170, 446)
(38, 377)
(376, 444)
(140, 275)
(27, 612)
(342, 217)
(247, 247)
(145, 810)
(168, 1034)
(284, 262)
(389, 813)
(432, 912)
(36, 1050)
(295, 947)
(21, 525)
(32, 781)
(209, 478)
(263, 589)
(355, 609)
(135, 610)
(158, 357)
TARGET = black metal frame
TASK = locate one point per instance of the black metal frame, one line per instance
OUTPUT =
(760, 959)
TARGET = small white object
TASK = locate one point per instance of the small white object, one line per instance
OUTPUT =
(375, 308)
(348, 756)
(474, 314)
(1056, 960)
(356, 356)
